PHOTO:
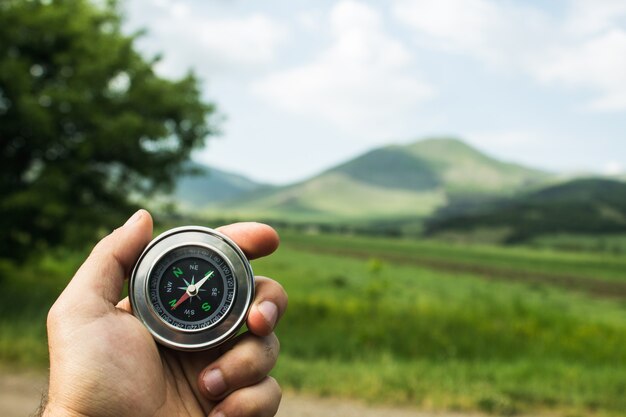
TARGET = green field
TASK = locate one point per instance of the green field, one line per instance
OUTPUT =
(436, 326)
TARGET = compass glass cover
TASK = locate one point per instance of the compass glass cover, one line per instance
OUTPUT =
(191, 288)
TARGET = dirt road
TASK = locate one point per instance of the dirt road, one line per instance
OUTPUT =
(20, 394)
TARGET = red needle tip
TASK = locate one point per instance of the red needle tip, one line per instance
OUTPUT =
(181, 300)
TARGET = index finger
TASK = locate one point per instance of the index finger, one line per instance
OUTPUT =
(254, 239)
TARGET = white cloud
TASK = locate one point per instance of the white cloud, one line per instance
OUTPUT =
(311, 20)
(584, 50)
(210, 44)
(589, 17)
(598, 63)
(365, 82)
(483, 28)
(613, 168)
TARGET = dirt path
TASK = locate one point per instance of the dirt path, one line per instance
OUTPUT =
(20, 394)
(300, 406)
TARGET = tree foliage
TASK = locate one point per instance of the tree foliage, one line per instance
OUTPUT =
(587, 206)
(85, 123)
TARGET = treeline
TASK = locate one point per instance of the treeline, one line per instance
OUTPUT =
(582, 207)
(396, 228)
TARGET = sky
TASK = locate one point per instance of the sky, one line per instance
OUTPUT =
(304, 85)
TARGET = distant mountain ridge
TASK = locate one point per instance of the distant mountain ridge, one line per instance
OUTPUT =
(581, 206)
(208, 186)
(442, 187)
(410, 181)
(435, 163)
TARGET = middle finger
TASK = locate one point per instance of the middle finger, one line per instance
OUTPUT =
(246, 363)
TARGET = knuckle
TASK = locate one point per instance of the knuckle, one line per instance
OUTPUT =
(54, 316)
(103, 244)
(283, 294)
(253, 367)
(273, 290)
(276, 395)
(276, 387)
(272, 345)
(262, 400)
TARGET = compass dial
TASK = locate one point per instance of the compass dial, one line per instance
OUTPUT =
(191, 287)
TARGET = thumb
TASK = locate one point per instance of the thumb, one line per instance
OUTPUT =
(99, 281)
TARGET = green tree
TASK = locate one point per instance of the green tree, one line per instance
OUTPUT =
(85, 123)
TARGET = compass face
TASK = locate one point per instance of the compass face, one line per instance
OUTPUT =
(191, 288)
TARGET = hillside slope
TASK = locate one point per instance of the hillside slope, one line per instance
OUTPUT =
(408, 181)
(210, 185)
(582, 206)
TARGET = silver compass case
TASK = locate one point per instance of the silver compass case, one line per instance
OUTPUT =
(192, 338)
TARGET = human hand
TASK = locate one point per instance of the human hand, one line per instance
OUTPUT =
(104, 362)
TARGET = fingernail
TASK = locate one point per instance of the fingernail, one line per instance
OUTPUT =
(214, 382)
(269, 311)
(219, 414)
(134, 218)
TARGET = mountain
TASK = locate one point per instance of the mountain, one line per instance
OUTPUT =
(582, 206)
(396, 181)
(438, 163)
(207, 185)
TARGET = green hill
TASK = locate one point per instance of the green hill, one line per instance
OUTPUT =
(207, 185)
(585, 206)
(464, 169)
(397, 181)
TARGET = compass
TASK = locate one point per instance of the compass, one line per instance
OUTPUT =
(192, 288)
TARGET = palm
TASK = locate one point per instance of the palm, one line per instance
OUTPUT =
(135, 373)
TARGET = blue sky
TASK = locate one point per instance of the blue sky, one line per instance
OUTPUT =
(304, 85)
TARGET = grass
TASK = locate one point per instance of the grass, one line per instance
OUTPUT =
(410, 314)
(604, 266)
(367, 328)
(23, 312)
(502, 388)
(615, 244)
(391, 321)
